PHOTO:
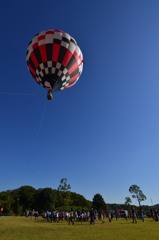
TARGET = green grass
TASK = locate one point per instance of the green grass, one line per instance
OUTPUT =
(21, 228)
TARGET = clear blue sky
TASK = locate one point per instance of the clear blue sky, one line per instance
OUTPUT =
(103, 133)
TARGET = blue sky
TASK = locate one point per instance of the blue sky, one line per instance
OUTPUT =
(103, 133)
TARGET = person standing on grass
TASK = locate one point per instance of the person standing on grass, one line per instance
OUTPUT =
(141, 214)
(110, 216)
(133, 212)
(92, 216)
(156, 215)
(71, 217)
(1, 210)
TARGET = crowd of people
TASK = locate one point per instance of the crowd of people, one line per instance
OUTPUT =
(58, 215)
(92, 215)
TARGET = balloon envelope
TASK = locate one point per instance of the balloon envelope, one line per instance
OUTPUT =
(54, 60)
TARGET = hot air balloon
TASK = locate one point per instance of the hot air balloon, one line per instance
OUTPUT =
(54, 60)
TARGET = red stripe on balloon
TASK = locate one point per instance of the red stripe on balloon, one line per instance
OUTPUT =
(43, 52)
(34, 60)
(67, 58)
(55, 52)
(73, 68)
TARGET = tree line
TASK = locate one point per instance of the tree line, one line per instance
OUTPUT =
(27, 197)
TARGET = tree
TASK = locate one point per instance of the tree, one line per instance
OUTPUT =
(15, 207)
(5, 200)
(128, 201)
(65, 187)
(98, 202)
(45, 199)
(80, 201)
(26, 196)
(137, 193)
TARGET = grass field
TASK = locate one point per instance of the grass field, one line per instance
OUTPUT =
(21, 228)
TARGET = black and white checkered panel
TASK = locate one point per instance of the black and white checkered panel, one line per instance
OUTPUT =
(72, 47)
(65, 79)
(50, 38)
(50, 68)
(80, 67)
(65, 40)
